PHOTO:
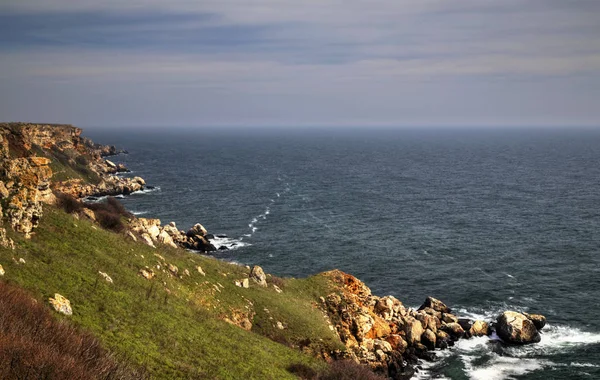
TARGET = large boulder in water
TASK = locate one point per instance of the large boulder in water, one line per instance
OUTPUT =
(515, 328)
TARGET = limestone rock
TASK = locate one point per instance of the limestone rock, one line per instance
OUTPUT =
(258, 275)
(435, 304)
(106, 277)
(199, 269)
(413, 330)
(173, 269)
(5, 241)
(428, 339)
(131, 236)
(1, 271)
(397, 342)
(148, 240)
(61, 304)
(243, 283)
(479, 328)
(147, 273)
(165, 238)
(539, 321)
(454, 330)
(515, 328)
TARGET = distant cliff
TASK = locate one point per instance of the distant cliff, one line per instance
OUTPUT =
(36, 159)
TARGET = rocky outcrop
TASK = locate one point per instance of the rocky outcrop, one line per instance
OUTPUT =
(258, 275)
(363, 321)
(151, 231)
(515, 328)
(37, 159)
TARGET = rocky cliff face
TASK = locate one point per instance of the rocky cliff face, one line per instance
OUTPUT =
(36, 159)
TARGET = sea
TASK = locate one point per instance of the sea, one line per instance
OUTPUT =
(485, 219)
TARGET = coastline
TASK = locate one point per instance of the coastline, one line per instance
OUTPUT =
(377, 331)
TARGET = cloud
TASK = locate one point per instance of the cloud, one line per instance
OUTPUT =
(231, 52)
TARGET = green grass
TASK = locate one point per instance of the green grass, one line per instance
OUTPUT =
(173, 326)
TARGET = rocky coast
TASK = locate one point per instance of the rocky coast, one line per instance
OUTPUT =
(40, 162)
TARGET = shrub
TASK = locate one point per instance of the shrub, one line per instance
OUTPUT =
(109, 213)
(68, 203)
(35, 345)
(109, 221)
(82, 160)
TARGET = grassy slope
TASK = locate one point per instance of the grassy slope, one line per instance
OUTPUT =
(174, 333)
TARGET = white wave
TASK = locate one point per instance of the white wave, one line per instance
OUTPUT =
(483, 358)
(230, 243)
(139, 212)
(146, 191)
(501, 367)
(120, 196)
(92, 199)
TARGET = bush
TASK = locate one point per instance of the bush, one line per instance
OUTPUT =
(109, 213)
(109, 221)
(68, 203)
(35, 345)
(82, 160)
(112, 206)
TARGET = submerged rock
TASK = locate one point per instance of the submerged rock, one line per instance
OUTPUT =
(515, 328)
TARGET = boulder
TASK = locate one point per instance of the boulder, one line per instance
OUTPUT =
(539, 321)
(61, 304)
(147, 273)
(165, 238)
(443, 339)
(106, 277)
(450, 318)
(258, 275)
(199, 269)
(413, 329)
(428, 339)
(454, 330)
(397, 342)
(388, 307)
(148, 240)
(2, 271)
(435, 304)
(515, 328)
(173, 269)
(479, 328)
(362, 323)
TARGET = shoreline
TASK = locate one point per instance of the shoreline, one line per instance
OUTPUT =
(377, 331)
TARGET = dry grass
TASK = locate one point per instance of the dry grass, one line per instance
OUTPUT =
(35, 345)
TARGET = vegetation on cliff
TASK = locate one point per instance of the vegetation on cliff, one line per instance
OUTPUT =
(171, 313)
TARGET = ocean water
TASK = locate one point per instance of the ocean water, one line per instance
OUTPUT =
(486, 220)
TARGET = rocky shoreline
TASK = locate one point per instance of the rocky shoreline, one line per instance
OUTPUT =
(38, 161)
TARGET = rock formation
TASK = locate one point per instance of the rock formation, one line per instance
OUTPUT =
(516, 328)
(37, 159)
(390, 338)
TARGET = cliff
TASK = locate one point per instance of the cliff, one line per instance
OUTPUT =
(179, 314)
(37, 159)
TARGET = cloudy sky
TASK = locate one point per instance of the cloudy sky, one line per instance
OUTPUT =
(301, 63)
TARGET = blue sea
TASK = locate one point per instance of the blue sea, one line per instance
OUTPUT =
(484, 219)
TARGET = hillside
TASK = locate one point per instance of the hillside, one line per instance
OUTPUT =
(168, 312)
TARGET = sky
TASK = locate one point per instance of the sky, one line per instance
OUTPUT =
(398, 63)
